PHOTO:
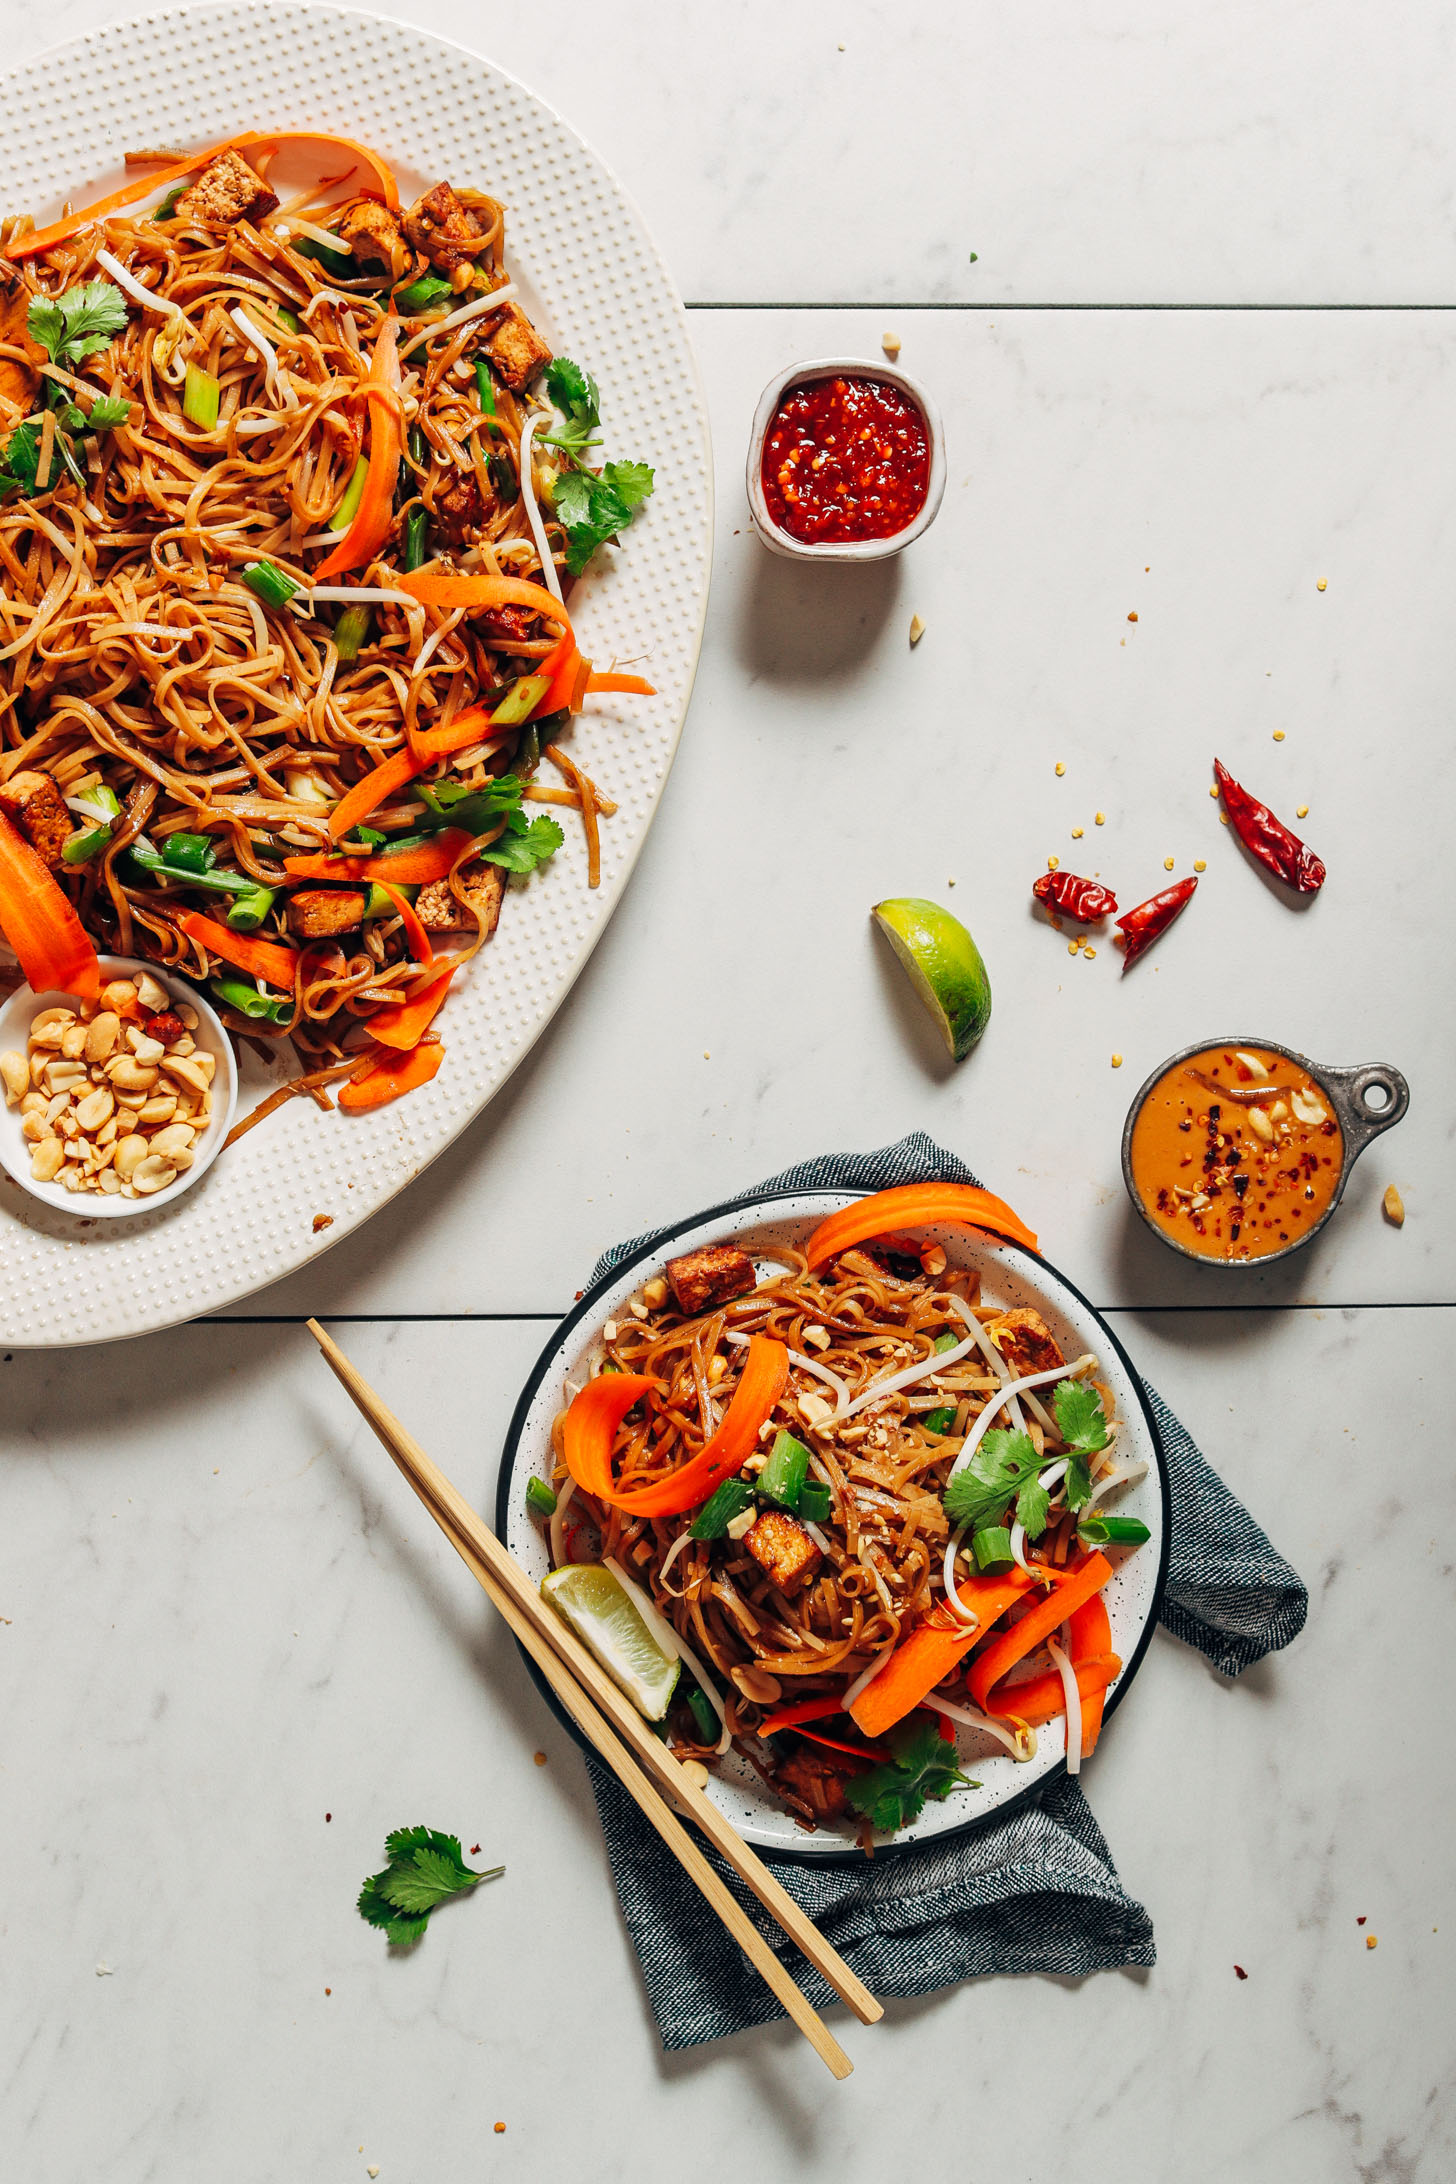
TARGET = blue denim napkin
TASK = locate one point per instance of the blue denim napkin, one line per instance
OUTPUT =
(1037, 1892)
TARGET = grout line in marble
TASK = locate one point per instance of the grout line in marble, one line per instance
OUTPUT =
(786, 305)
(472, 1319)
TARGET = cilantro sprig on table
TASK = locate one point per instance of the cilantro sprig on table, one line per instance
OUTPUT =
(592, 506)
(924, 1766)
(425, 1868)
(1004, 1468)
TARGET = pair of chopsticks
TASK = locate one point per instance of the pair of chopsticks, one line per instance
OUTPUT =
(642, 1764)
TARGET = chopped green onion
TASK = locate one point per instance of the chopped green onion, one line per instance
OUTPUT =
(503, 478)
(719, 1510)
(419, 447)
(82, 847)
(1113, 1532)
(351, 632)
(416, 539)
(992, 1545)
(421, 295)
(141, 858)
(484, 386)
(189, 852)
(782, 1477)
(338, 262)
(167, 210)
(274, 586)
(540, 1498)
(200, 397)
(520, 701)
(948, 1341)
(259, 1008)
(815, 1502)
(939, 1421)
(528, 752)
(348, 507)
(704, 1719)
(381, 903)
(247, 912)
(288, 320)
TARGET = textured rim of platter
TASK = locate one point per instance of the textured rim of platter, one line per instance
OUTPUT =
(592, 278)
(1010, 1276)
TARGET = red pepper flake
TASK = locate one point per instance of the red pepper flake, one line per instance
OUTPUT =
(475, 1850)
(328, 1816)
(498, 2127)
(845, 458)
(1132, 617)
(1267, 838)
(1084, 900)
(1360, 1922)
(328, 1990)
(1239, 1969)
(1141, 926)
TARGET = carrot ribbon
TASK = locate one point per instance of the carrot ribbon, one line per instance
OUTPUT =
(931, 1651)
(375, 513)
(1002, 1654)
(38, 920)
(259, 958)
(391, 1077)
(594, 1416)
(916, 1205)
(403, 1024)
(417, 867)
(1042, 1698)
(414, 932)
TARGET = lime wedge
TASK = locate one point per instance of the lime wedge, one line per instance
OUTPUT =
(601, 1614)
(944, 963)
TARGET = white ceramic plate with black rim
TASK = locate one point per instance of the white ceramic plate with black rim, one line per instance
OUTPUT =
(593, 281)
(1010, 1276)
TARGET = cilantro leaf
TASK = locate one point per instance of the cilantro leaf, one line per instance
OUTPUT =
(525, 845)
(631, 482)
(78, 324)
(1032, 1504)
(591, 506)
(106, 415)
(424, 1869)
(574, 392)
(924, 1766)
(1077, 1485)
(21, 459)
(1002, 1466)
(1081, 1420)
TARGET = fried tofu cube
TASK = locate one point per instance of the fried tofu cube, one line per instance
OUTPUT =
(516, 350)
(375, 232)
(1025, 1341)
(318, 913)
(483, 886)
(710, 1276)
(32, 802)
(226, 192)
(440, 226)
(780, 1545)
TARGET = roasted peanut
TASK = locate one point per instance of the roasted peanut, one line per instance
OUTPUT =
(130, 1075)
(151, 996)
(45, 1161)
(130, 1150)
(153, 1174)
(15, 1069)
(757, 1685)
(73, 1041)
(120, 995)
(97, 1107)
(101, 1035)
(174, 1140)
(143, 1046)
(187, 1069)
(160, 1108)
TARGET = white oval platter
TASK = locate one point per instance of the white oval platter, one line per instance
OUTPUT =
(596, 285)
(1009, 1276)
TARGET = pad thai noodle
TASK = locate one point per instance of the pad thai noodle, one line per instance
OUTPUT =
(292, 498)
(861, 1504)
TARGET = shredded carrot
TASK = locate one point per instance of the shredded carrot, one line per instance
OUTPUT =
(37, 918)
(432, 860)
(1073, 1587)
(586, 790)
(437, 588)
(259, 958)
(418, 939)
(599, 1409)
(403, 1024)
(375, 513)
(871, 1752)
(357, 803)
(788, 1717)
(633, 685)
(915, 1205)
(471, 726)
(266, 143)
(931, 1651)
(390, 1075)
(1042, 1698)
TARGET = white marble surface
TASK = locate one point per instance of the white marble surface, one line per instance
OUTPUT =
(224, 1617)
(230, 1618)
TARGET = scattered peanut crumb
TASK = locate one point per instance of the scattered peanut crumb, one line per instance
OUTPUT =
(104, 1971)
(1302, 812)
(917, 629)
(707, 1057)
(321, 1221)
(1061, 769)
(1117, 1061)
(1099, 818)
(890, 343)
(1394, 1206)
(1132, 617)
(1074, 947)
(1279, 735)
(1052, 863)
(1077, 833)
(373, 2169)
(1087, 952)
(950, 883)
(1320, 584)
(1213, 792)
(1223, 818)
(1167, 864)
(1200, 864)
(540, 1758)
(1372, 1941)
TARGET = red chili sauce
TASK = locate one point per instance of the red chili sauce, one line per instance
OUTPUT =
(845, 459)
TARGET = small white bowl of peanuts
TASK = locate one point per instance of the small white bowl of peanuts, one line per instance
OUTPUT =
(116, 1106)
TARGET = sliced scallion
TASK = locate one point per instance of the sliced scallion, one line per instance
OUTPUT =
(200, 397)
(815, 1502)
(520, 701)
(416, 539)
(274, 586)
(82, 847)
(247, 912)
(705, 1721)
(992, 1545)
(540, 1497)
(719, 1510)
(782, 1477)
(259, 1008)
(1113, 1532)
(484, 386)
(351, 632)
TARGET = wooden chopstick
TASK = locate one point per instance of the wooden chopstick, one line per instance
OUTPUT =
(588, 1694)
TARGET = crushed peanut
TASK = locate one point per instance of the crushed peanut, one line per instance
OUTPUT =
(890, 343)
(1077, 833)
(94, 1110)
(1061, 769)
(1117, 1061)
(1099, 818)
(917, 629)
(1302, 812)
(1394, 1206)
(1200, 864)
(1319, 584)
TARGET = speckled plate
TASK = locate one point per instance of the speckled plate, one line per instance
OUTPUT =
(1009, 1276)
(593, 280)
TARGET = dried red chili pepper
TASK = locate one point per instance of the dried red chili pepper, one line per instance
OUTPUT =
(1267, 838)
(1141, 927)
(1074, 897)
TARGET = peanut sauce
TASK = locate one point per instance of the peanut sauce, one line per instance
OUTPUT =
(1232, 1160)
(845, 459)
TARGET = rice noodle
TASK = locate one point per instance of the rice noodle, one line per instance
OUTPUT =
(481, 307)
